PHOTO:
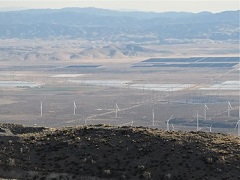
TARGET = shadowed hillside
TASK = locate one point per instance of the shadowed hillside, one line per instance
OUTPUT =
(106, 152)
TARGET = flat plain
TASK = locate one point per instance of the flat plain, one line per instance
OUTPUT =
(147, 90)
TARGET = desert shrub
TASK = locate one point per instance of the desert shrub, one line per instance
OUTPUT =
(147, 175)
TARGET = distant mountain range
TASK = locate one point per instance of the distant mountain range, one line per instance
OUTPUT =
(119, 27)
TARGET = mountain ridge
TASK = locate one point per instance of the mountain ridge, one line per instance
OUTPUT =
(93, 23)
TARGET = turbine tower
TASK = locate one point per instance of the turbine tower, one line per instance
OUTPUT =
(238, 125)
(205, 111)
(116, 110)
(168, 122)
(74, 108)
(229, 108)
(153, 118)
(210, 128)
(41, 108)
(197, 123)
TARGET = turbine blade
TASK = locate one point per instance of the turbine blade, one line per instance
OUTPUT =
(170, 118)
(206, 107)
(237, 124)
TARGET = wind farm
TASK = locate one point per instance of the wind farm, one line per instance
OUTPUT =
(144, 98)
(88, 93)
(97, 78)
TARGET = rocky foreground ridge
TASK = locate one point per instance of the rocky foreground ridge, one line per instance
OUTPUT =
(107, 152)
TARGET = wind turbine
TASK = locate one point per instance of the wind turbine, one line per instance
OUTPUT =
(116, 110)
(153, 117)
(41, 108)
(238, 125)
(210, 128)
(197, 123)
(173, 128)
(205, 111)
(74, 107)
(229, 108)
(168, 122)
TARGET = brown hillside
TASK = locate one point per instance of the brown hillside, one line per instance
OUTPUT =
(106, 152)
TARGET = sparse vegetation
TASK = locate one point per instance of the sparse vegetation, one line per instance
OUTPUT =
(100, 152)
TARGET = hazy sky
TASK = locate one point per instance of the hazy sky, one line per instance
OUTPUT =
(157, 5)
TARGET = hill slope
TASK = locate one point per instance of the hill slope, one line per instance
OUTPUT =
(117, 153)
(125, 27)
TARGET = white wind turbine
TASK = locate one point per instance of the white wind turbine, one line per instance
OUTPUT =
(41, 108)
(238, 125)
(153, 118)
(229, 108)
(205, 111)
(116, 110)
(74, 107)
(210, 128)
(197, 123)
(168, 122)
